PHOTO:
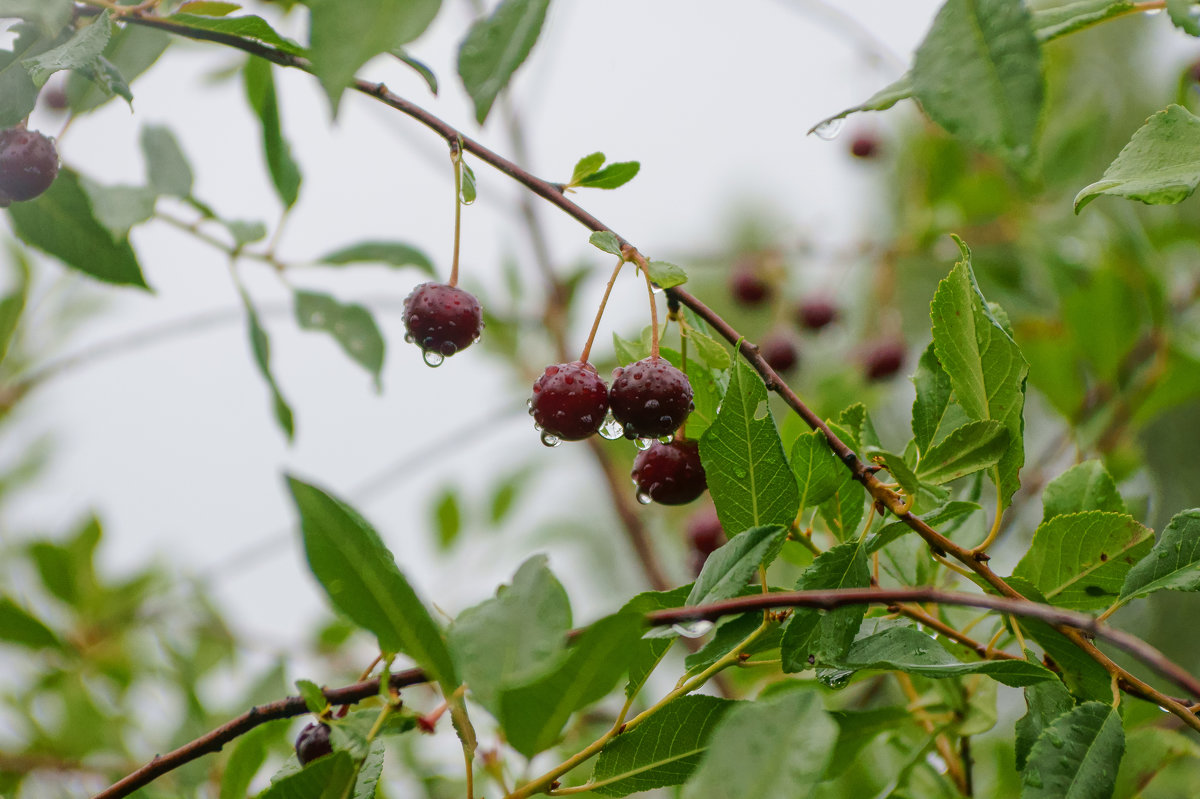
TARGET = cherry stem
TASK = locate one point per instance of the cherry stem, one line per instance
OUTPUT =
(640, 260)
(587, 348)
(456, 159)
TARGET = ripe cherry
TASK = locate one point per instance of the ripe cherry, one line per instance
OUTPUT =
(28, 164)
(313, 742)
(779, 352)
(865, 146)
(705, 536)
(747, 285)
(441, 320)
(669, 474)
(569, 401)
(650, 398)
(884, 359)
(816, 312)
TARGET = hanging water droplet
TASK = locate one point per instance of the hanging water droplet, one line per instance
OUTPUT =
(665, 439)
(611, 429)
(834, 678)
(693, 629)
(432, 358)
(529, 405)
(550, 440)
(642, 444)
(643, 498)
(830, 129)
(409, 338)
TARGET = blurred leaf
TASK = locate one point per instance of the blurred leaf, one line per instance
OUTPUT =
(245, 27)
(80, 52)
(666, 275)
(314, 697)
(350, 324)
(664, 750)
(19, 626)
(51, 16)
(513, 638)
(812, 636)
(12, 304)
(970, 448)
(1148, 751)
(586, 166)
(209, 8)
(1046, 701)
(1051, 23)
(857, 729)
(1104, 320)
(1077, 755)
(18, 94)
(612, 176)
(260, 94)
(260, 345)
(131, 51)
(748, 474)
(119, 208)
(1080, 560)
(885, 98)
(420, 67)
(606, 240)
(166, 165)
(447, 518)
(391, 253)
(1085, 486)
(1183, 16)
(362, 580)
(495, 46)
(61, 222)
(1172, 564)
(1157, 167)
(818, 471)
(505, 494)
(769, 748)
(247, 756)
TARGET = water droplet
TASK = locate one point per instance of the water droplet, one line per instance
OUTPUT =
(740, 473)
(834, 678)
(529, 405)
(642, 444)
(830, 129)
(643, 498)
(922, 650)
(409, 338)
(449, 348)
(550, 440)
(693, 629)
(432, 358)
(665, 439)
(651, 405)
(611, 429)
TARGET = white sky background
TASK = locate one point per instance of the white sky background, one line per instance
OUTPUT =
(173, 444)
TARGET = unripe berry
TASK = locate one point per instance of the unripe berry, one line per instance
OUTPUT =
(28, 164)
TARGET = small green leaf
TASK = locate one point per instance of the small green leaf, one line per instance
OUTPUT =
(260, 345)
(80, 52)
(843, 510)
(818, 471)
(1183, 16)
(119, 208)
(881, 100)
(1076, 757)
(606, 240)
(945, 520)
(612, 176)
(586, 166)
(1046, 701)
(12, 304)
(664, 750)
(970, 448)
(166, 166)
(19, 626)
(1158, 166)
(811, 636)
(895, 465)
(362, 581)
(260, 94)
(209, 8)
(731, 566)
(1172, 564)
(468, 192)
(447, 518)
(1056, 21)
(1085, 486)
(495, 46)
(420, 67)
(351, 325)
(390, 253)
(709, 350)
(248, 755)
(934, 413)
(666, 275)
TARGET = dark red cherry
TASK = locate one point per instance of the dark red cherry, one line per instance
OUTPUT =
(669, 474)
(705, 536)
(747, 284)
(650, 398)
(815, 313)
(313, 742)
(441, 320)
(28, 164)
(883, 359)
(779, 352)
(865, 146)
(569, 401)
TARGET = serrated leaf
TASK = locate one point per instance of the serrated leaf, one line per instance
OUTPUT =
(911, 651)
(167, 167)
(612, 176)
(666, 275)
(131, 51)
(1172, 564)
(986, 368)
(818, 471)
(532, 715)
(1080, 560)
(1044, 702)
(1076, 757)
(606, 240)
(80, 52)
(588, 165)
(811, 635)
(1085, 486)
(730, 567)
(1158, 166)
(391, 253)
(495, 47)
(259, 84)
(742, 454)
(709, 350)
(933, 404)
(314, 697)
(61, 222)
(881, 100)
(351, 325)
(663, 750)
(362, 581)
(978, 74)
(511, 639)
(970, 448)
(260, 346)
(769, 748)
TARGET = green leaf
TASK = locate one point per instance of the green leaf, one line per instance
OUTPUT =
(391, 253)
(1052, 23)
(494, 47)
(606, 240)
(260, 345)
(80, 52)
(61, 222)
(811, 636)
(911, 651)
(818, 471)
(612, 176)
(51, 16)
(1046, 701)
(18, 94)
(1148, 751)
(19, 626)
(709, 350)
(899, 469)
(1085, 486)
(986, 369)
(166, 166)
(663, 750)
(1076, 757)
(366, 782)
(769, 748)
(1158, 166)
(260, 94)
(945, 520)
(329, 777)
(666, 275)
(731, 633)
(650, 651)
(1080, 560)
(447, 518)
(970, 448)
(978, 74)
(209, 8)
(248, 755)
(468, 191)
(881, 100)
(314, 697)
(533, 714)
(586, 166)
(350, 324)
(513, 638)
(1084, 677)
(1105, 325)
(130, 52)
(748, 474)
(12, 305)
(934, 413)
(420, 67)
(342, 40)
(362, 581)
(119, 208)
(857, 729)
(1183, 16)
(1172, 564)
(731, 566)
(844, 509)
(246, 27)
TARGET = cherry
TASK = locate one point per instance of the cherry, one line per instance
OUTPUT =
(651, 398)
(884, 359)
(313, 742)
(569, 401)
(669, 474)
(865, 146)
(705, 535)
(442, 320)
(779, 352)
(816, 312)
(747, 285)
(28, 164)
(55, 96)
